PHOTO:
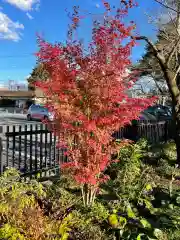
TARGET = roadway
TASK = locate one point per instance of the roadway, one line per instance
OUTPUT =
(13, 119)
(18, 119)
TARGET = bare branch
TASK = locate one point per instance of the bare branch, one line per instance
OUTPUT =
(154, 48)
(177, 72)
(166, 6)
(178, 18)
(157, 85)
(172, 20)
(172, 51)
(147, 40)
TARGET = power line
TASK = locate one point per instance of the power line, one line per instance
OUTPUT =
(14, 68)
(18, 56)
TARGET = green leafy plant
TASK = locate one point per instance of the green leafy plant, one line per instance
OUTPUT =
(134, 186)
(91, 223)
(131, 174)
(130, 225)
(22, 216)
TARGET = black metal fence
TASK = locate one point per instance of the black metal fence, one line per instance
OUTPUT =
(32, 148)
(153, 131)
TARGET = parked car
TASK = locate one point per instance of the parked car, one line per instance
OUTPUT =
(147, 116)
(38, 112)
(160, 112)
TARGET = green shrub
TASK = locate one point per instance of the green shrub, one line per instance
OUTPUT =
(21, 216)
(23, 213)
(169, 150)
(131, 174)
(167, 170)
(133, 211)
(87, 228)
(164, 151)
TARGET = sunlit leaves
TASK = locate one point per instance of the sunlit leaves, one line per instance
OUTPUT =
(88, 90)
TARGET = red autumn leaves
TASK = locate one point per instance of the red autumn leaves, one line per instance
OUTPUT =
(88, 93)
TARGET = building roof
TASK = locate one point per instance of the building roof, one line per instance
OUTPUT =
(8, 93)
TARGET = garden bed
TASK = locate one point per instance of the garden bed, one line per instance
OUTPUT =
(140, 201)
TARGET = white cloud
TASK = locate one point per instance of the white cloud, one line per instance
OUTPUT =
(29, 16)
(24, 5)
(94, 3)
(97, 5)
(8, 29)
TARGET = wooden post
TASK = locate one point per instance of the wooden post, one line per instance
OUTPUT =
(1, 151)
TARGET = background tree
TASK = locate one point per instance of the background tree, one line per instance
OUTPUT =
(164, 58)
(149, 64)
(38, 73)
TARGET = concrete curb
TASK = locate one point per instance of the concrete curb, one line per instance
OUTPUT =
(13, 115)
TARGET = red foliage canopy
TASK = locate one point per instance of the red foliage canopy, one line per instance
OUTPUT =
(88, 92)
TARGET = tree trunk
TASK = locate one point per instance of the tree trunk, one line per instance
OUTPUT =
(176, 128)
(177, 141)
(172, 79)
(175, 95)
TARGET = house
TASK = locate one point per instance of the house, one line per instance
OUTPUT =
(15, 98)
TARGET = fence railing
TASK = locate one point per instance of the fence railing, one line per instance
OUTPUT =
(32, 148)
(151, 130)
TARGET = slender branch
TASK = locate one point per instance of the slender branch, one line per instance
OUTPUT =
(172, 51)
(154, 48)
(178, 18)
(83, 195)
(168, 75)
(147, 40)
(157, 85)
(166, 6)
(177, 72)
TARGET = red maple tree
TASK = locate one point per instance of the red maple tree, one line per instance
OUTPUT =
(87, 91)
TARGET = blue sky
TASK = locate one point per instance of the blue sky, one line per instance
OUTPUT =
(20, 20)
